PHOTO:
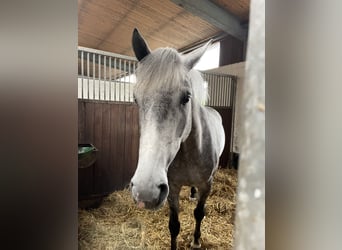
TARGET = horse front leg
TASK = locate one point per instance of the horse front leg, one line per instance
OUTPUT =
(199, 213)
(174, 225)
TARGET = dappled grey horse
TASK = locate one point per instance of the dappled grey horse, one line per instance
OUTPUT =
(181, 140)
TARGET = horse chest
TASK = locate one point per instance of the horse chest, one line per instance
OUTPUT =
(189, 169)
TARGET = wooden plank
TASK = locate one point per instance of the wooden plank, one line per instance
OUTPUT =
(226, 114)
(117, 119)
(98, 167)
(103, 181)
(81, 122)
(136, 139)
(85, 176)
(121, 144)
(85, 182)
(131, 142)
(89, 122)
(128, 144)
(113, 143)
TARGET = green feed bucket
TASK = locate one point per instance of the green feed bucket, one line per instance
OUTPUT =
(86, 155)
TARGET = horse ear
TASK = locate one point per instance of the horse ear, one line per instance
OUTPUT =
(193, 57)
(139, 45)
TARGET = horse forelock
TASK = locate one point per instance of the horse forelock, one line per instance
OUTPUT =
(164, 69)
(200, 93)
(161, 69)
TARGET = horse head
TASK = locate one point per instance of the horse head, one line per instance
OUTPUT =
(165, 98)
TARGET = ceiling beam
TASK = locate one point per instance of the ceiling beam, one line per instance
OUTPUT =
(216, 38)
(215, 15)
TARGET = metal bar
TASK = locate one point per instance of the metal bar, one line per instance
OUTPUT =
(225, 79)
(227, 92)
(214, 90)
(115, 78)
(88, 75)
(120, 81)
(99, 76)
(207, 98)
(210, 91)
(233, 107)
(223, 95)
(129, 80)
(211, 77)
(221, 90)
(229, 88)
(110, 78)
(124, 81)
(217, 91)
(230, 91)
(231, 94)
(104, 77)
(93, 76)
(233, 84)
(82, 73)
(218, 94)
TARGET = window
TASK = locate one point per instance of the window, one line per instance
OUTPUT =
(210, 59)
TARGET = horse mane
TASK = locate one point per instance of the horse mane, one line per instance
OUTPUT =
(164, 68)
(199, 91)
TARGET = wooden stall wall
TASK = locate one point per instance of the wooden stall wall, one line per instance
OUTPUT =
(227, 115)
(114, 130)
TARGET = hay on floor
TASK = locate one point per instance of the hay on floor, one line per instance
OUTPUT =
(119, 224)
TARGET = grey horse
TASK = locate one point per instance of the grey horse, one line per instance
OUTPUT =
(181, 140)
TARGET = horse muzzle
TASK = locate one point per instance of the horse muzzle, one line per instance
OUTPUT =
(150, 197)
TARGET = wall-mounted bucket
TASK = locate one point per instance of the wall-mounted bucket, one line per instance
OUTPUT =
(86, 161)
(86, 155)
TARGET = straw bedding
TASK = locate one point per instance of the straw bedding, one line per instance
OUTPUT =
(119, 224)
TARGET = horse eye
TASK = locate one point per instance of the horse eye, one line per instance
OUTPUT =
(185, 98)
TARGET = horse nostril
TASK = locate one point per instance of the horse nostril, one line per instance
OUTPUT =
(163, 187)
(164, 191)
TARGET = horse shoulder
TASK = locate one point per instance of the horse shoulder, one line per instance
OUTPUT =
(216, 127)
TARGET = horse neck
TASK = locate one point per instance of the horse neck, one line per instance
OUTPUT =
(195, 137)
